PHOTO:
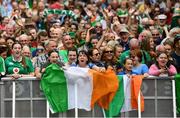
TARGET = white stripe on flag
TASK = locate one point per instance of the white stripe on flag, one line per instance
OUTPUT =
(127, 94)
(79, 76)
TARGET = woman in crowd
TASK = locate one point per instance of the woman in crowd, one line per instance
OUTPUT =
(10, 41)
(95, 57)
(17, 64)
(4, 50)
(107, 57)
(161, 67)
(169, 49)
(148, 45)
(109, 61)
(83, 62)
(138, 67)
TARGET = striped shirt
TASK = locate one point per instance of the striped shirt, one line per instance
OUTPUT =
(42, 59)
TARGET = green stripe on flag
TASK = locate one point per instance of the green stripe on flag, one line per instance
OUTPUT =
(118, 100)
(177, 84)
(54, 86)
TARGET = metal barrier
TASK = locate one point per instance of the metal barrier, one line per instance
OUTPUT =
(159, 96)
(29, 101)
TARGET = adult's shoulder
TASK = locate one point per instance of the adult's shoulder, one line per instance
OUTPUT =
(8, 58)
(126, 52)
(144, 65)
(27, 58)
(124, 55)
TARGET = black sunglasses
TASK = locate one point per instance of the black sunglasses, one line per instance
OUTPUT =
(97, 54)
(108, 51)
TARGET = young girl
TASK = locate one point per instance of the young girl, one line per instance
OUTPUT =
(161, 67)
(128, 68)
(138, 67)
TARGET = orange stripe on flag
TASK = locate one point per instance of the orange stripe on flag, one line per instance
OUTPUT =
(105, 86)
(135, 89)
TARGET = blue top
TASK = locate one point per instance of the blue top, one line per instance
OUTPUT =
(124, 73)
(141, 69)
(90, 65)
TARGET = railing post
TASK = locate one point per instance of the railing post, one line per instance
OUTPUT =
(76, 101)
(47, 109)
(2, 99)
(139, 104)
(174, 98)
(13, 99)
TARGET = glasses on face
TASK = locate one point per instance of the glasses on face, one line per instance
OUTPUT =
(109, 51)
(40, 49)
(97, 54)
(155, 34)
(98, 26)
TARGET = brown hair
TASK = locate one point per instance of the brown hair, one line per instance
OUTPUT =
(23, 58)
(138, 53)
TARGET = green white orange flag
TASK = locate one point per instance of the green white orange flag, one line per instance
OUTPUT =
(92, 87)
(126, 98)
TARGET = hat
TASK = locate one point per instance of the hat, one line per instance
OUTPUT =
(162, 17)
(124, 30)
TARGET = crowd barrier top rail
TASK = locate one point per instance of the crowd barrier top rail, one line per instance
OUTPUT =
(28, 77)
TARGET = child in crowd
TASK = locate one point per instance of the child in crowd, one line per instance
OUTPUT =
(161, 67)
(138, 67)
(128, 68)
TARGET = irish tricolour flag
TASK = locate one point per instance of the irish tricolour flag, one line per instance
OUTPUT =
(81, 88)
(92, 87)
(126, 98)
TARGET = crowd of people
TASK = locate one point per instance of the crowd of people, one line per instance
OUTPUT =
(140, 37)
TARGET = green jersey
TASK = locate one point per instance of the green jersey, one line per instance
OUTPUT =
(64, 56)
(11, 65)
(2, 66)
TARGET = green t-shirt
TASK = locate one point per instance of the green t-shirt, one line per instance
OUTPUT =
(145, 57)
(63, 55)
(2, 66)
(32, 49)
(11, 64)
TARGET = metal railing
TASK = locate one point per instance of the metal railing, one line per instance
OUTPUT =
(23, 98)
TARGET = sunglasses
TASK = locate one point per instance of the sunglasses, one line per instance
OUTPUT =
(155, 34)
(97, 54)
(109, 51)
(98, 26)
(40, 49)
